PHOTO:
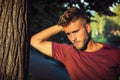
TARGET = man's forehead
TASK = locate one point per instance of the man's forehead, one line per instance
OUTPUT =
(72, 27)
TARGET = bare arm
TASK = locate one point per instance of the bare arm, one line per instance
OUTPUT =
(39, 40)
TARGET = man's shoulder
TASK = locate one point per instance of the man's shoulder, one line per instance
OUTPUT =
(64, 45)
(110, 47)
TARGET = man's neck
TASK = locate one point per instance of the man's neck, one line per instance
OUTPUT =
(93, 46)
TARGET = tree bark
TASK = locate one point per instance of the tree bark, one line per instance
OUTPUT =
(13, 40)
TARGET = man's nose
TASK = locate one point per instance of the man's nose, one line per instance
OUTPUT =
(73, 37)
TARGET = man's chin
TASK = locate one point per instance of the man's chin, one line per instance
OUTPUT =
(80, 47)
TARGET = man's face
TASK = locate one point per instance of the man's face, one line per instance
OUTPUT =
(77, 33)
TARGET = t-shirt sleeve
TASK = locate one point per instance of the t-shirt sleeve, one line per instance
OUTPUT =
(58, 51)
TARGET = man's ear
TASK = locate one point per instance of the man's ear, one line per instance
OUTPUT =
(88, 27)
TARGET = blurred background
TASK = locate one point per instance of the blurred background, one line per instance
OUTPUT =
(105, 22)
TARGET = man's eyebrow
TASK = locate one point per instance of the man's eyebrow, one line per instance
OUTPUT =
(75, 30)
(67, 33)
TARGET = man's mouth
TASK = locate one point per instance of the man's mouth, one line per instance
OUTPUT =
(77, 43)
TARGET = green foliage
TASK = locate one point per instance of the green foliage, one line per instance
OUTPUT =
(100, 39)
(97, 25)
(107, 29)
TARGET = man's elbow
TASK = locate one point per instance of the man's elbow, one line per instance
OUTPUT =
(33, 42)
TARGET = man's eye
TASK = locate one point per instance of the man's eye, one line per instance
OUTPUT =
(75, 31)
(67, 33)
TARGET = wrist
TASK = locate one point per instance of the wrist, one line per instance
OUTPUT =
(61, 27)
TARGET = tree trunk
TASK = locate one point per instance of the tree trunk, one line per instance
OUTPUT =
(13, 40)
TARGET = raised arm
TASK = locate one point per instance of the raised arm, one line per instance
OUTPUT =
(39, 40)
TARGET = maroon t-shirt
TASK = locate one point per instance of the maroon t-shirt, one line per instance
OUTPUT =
(103, 64)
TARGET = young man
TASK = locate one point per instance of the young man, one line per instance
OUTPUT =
(85, 59)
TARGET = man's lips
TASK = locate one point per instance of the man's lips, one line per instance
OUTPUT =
(76, 43)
